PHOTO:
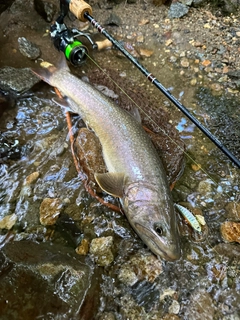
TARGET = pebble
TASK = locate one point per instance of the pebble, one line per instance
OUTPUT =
(83, 248)
(8, 221)
(28, 48)
(184, 63)
(50, 209)
(206, 63)
(216, 87)
(193, 82)
(174, 307)
(205, 186)
(31, 178)
(145, 52)
(101, 249)
(230, 231)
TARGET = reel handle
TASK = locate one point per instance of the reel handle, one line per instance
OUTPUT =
(78, 8)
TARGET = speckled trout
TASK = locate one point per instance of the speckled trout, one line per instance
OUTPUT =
(135, 172)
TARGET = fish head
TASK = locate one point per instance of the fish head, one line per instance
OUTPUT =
(154, 221)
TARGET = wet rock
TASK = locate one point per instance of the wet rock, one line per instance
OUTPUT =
(69, 229)
(28, 48)
(177, 10)
(18, 80)
(113, 20)
(9, 149)
(145, 294)
(140, 267)
(26, 190)
(101, 249)
(8, 221)
(45, 9)
(83, 248)
(231, 231)
(233, 210)
(174, 307)
(50, 209)
(42, 270)
(201, 306)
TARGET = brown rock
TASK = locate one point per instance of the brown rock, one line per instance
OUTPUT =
(83, 248)
(206, 63)
(101, 249)
(231, 231)
(49, 211)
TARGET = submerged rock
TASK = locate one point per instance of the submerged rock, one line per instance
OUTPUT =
(50, 209)
(8, 221)
(101, 249)
(201, 306)
(46, 280)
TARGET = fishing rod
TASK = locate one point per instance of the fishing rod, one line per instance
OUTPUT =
(83, 12)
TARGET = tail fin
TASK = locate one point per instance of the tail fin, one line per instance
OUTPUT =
(44, 73)
(47, 69)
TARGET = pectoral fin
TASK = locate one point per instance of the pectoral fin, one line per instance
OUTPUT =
(112, 183)
(67, 104)
(64, 103)
(134, 112)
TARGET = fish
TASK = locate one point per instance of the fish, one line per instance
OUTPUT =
(135, 172)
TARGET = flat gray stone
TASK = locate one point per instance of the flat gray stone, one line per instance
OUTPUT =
(18, 80)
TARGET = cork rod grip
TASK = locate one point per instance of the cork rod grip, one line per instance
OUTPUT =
(78, 8)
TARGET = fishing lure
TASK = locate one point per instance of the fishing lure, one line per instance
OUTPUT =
(189, 216)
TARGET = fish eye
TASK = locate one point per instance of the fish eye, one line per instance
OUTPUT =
(158, 228)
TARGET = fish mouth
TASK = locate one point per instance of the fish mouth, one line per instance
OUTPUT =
(157, 249)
